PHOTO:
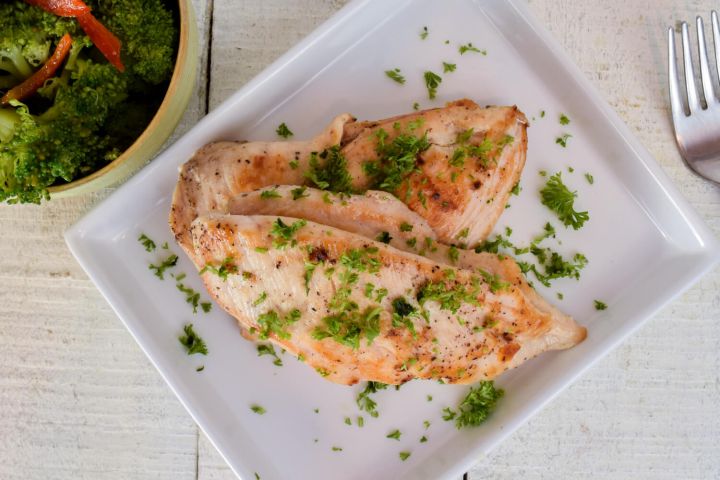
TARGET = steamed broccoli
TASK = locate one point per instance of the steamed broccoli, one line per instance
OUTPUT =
(148, 34)
(90, 112)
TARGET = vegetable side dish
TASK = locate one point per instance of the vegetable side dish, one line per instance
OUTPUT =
(79, 82)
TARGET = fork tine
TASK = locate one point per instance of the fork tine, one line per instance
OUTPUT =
(707, 83)
(676, 105)
(716, 40)
(692, 94)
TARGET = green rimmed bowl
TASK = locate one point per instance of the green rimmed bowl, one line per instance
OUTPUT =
(177, 97)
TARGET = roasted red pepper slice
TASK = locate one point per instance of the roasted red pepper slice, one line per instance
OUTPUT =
(62, 8)
(37, 79)
(103, 39)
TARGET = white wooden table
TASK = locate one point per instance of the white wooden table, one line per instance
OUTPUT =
(78, 399)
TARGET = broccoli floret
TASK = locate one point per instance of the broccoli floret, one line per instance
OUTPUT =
(148, 34)
(27, 35)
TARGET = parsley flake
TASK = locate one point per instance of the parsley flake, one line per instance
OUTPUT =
(448, 67)
(558, 198)
(258, 409)
(270, 193)
(432, 82)
(470, 48)
(146, 242)
(284, 131)
(395, 75)
(192, 342)
(562, 139)
(367, 403)
(404, 455)
(159, 270)
(600, 305)
(395, 435)
(424, 33)
(299, 192)
(268, 349)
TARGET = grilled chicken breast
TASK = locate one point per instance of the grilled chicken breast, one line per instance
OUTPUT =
(465, 163)
(357, 309)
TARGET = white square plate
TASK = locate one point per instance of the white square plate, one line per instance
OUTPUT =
(644, 243)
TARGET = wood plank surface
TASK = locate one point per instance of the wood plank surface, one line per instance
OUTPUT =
(78, 399)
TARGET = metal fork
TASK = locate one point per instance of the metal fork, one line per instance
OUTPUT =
(697, 129)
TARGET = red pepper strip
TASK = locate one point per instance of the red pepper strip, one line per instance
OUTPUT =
(37, 79)
(61, 8)
(108, 44)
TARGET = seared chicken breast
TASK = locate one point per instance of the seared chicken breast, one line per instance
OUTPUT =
(454, 167)
(358, 309)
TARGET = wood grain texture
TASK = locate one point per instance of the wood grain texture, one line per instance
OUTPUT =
(78, 399)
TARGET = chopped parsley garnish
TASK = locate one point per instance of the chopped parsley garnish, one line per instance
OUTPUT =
(424, 33)
(448, 67)
(470, 48)
(192, 341)
(360, 421)
(258, 409)
(396, 159)
(333, 174)
(564, 120)
(476, 406)
(403, 313)
(365, 402)
(348, 421)
(271, 322)
(554, 265)
(600, 305)
(146, 242)
(411, 242)
(416, 106)
(429, 398)
(349, 326)
(562, 139)
(384, 237)
(405, 227)
(432, 82)
(223, 270)
(516, 189)
(423, 439)
(309, 270)
(192, 297)
(589, 178)
(395, 435)
(268, 349)
(558, 198)
(270, 193)
(453, 254)
(284, 131)
(560, 296)
(542, 113)
(404, 455)
(449, 297)
(200, 368)
(337, 449)
(463, 233)
(426, 424)
(261, 249)
(299, 192)
(494, 282)
(294, 164)
(159, 270)
(283, 233)
(395, 75)
(260, 299)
